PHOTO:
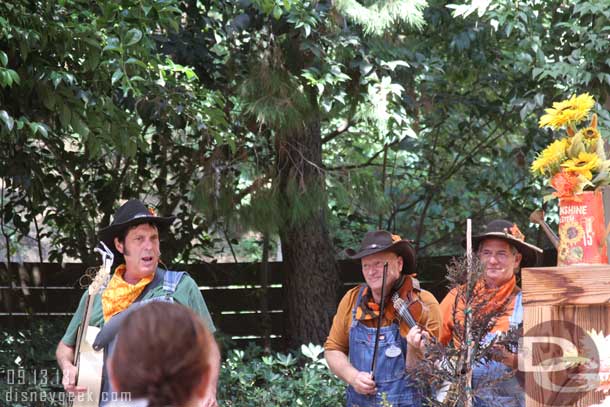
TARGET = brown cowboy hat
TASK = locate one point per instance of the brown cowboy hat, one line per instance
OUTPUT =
(131, 213)
(509, 232)
(383, 241)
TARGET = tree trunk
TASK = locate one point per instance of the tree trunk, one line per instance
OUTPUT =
(311, 274)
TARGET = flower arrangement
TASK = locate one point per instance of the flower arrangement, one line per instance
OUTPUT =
(577, 162)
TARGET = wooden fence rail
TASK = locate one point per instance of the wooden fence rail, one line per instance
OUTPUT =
(232, 291)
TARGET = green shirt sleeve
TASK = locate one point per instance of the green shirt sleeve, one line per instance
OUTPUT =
(69, 337)
(188, 292)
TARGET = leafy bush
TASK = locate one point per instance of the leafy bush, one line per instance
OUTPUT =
(29, 375)
(250, 378)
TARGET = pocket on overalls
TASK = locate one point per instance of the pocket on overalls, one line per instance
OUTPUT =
(360, 350)
(391, 363)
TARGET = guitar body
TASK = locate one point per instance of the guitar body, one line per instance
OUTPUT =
(90, 365)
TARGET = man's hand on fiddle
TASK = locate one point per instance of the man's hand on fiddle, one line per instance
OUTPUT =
(417, 339)
(416, 345)
(69, 379)
(363, 383)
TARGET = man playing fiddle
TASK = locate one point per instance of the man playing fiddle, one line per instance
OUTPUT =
(350, 345)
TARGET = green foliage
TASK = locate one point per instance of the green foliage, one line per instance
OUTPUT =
(93, 114)
(250, 378)
(28, 372)
(268, 113)
(379, 17)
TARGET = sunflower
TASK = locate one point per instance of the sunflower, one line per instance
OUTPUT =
(567, 112)
(583, 164)
(590, 133)
(570, 233)
(551, 156)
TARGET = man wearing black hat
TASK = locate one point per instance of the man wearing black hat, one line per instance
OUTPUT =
(134, 236)
(501, 249)
(350, 347)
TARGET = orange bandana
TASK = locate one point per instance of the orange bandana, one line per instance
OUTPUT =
(120, 294)
(495, 298)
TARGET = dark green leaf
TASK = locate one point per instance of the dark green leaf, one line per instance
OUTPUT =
(133, 37)
(7, 120)
(65, 116)
(116, 76)
(79, 125)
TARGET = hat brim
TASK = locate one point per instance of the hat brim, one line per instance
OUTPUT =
(530, 254)
(402, 248)
(108, 233)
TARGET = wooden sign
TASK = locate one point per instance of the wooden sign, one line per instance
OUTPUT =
(560, 305)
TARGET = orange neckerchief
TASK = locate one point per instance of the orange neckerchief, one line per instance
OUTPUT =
(500, 294)
(368, 309)
(495, 298)
(120, 294)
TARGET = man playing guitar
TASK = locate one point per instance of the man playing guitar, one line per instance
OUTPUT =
(134, 234)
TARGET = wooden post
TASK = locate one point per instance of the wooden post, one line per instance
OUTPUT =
(579, 295)
(468, 320)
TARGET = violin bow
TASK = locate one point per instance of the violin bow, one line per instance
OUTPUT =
(381, 310)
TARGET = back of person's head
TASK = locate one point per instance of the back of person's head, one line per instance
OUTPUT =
(162, 354)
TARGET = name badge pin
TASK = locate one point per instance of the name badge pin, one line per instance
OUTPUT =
(393, 351)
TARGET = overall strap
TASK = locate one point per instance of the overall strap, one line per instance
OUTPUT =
(517, 316)
(156, 282)
(171, 281)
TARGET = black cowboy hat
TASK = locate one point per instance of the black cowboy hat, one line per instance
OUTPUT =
(509, 232)
(131, 213)
(383, 241)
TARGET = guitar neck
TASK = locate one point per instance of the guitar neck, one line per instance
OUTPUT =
(80, 334)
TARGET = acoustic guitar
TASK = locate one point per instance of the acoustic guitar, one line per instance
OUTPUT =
(90, 362)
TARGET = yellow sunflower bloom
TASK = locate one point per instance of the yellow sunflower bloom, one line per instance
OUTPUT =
(583, 164)
(571, 233)
(550, 157)
(590, 133)
(567, 112)
(590, 138)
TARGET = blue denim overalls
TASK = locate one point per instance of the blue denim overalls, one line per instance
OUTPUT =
(390, 375)
(507, 392)
(170, 282)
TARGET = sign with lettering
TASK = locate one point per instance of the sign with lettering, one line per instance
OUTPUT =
(582, 230)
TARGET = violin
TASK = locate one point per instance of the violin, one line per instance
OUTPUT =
(408, 306)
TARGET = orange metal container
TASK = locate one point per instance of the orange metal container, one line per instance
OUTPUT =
(582, 225)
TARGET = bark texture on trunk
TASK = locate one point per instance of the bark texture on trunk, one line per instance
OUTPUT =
(311, 274)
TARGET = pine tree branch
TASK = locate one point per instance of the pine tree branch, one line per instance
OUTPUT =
(338, 132)
(368, 163)
(255, 185)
